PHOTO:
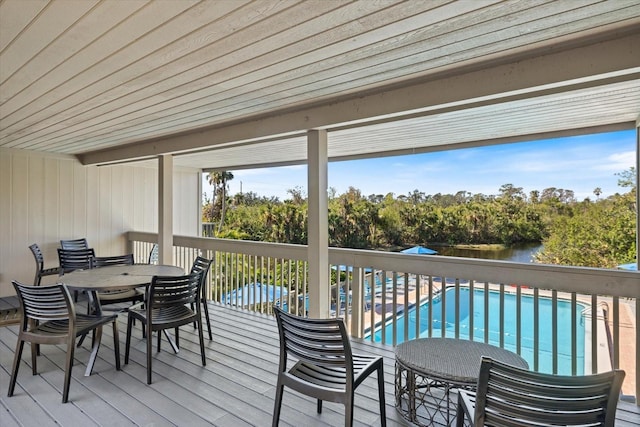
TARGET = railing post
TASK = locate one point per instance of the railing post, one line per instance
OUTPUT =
(357, 302)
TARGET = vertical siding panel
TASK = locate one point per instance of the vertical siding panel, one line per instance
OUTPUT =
(80, 228)
(6, 180)
(116, 213)
(93, 207)
(151, 200)
(50, 240)
(104, 214)
(127, 200)
(19, 224)
(66, 217)
(36, 199)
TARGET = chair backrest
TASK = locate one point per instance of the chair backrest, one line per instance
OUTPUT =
(37, 254)
(169, 291)
(106, 261)
(74, 244)
(201, 267)
(39, 258)
(506, 393)
(75, 259)
(44, 303)
(153, 254)
(321, 342)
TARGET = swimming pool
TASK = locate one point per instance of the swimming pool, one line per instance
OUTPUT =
(545, 356)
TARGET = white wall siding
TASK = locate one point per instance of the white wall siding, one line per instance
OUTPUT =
(45, 198)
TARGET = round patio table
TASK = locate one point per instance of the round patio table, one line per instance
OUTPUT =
(111, 278)
(427, 369)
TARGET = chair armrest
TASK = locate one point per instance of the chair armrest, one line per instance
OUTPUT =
(136, 306)
(50, 271)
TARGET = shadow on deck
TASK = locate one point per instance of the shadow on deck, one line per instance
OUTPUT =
(236, 388)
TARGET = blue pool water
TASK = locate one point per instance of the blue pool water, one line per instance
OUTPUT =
(545, 356)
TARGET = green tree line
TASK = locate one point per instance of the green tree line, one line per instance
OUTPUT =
(597, 233)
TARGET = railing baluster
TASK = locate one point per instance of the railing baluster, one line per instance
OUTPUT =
(574, 334)
(418, 305)
(594, 334)
(554, 329)
(471, 309)
(616, 332)
(518, 319)
(394, 308)
(536, 330)
(457, 309)
(502, 309)
(443, 311)
(486, 312)
(430, 316)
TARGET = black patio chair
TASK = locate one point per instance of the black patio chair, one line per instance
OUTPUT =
(201, 266)
(58, 323)
(326, 369)
(75, 259)
(74, 244)
(117, 296)
(167, 306)
(40, 270)
(510, 396)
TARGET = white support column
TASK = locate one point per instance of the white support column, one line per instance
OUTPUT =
(318, 224)
(165, 209)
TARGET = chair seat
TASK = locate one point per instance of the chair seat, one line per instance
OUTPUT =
(334, 377)
(84, 323)
(127, 295)
(161, 317)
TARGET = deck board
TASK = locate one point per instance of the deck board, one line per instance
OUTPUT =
(235, 388)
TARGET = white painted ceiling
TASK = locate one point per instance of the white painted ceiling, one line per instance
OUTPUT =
(214, 81)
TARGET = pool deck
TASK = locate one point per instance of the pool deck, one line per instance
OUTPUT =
(235, 388)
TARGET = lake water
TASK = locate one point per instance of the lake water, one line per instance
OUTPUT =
(518, 253)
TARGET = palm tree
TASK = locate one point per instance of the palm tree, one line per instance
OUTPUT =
(220, 182)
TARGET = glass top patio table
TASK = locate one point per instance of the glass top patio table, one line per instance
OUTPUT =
(427, 369)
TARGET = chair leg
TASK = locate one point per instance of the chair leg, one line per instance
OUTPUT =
(34, 358)
(68, 367)
(460, 412)
(277, 405)
(128, 340)
(383, 412)
(96, 340)
(348, 412)
(206, 316)
(319, 406)
(116, 344)
(16, 366)
(201, 337)
(149, 348)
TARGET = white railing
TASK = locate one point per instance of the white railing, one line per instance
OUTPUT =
(394, 297)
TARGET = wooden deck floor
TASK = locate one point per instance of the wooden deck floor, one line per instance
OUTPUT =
(236, 388)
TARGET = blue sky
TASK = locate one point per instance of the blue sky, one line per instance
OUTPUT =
(579, 163)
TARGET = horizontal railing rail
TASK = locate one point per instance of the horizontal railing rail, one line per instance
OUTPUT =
(543, 312)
